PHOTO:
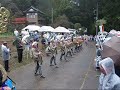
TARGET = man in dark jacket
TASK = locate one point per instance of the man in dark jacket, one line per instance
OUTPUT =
(19, 45)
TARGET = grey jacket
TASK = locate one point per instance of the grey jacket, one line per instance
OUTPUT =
(5, 52)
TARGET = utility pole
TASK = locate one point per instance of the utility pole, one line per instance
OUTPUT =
(97, 17)
(52, 15)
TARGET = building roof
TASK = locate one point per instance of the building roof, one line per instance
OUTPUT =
(33, 9)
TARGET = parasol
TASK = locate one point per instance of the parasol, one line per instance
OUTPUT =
(46, 29)
(111, 49)
(61, 30)
(32, 28)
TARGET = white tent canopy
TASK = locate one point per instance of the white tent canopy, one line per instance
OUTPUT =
(46, 29)
(32, 28)
(113, 32)
(61, 30)
(23, 32)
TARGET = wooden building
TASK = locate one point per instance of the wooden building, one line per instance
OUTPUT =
(34, 16)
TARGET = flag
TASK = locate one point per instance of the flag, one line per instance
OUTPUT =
(101, 28)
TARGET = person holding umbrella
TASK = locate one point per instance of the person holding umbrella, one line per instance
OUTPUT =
(108, 80)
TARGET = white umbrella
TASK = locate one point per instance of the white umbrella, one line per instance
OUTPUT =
(46, 29)
(61, 30)
(32, 28)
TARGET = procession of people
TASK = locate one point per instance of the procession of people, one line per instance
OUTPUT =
(35, 45)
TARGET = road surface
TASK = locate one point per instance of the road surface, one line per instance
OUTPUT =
(78, 73)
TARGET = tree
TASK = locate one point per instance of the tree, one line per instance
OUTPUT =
(22, 4)
(62, 21)
(100, 22)
(83, 14)
(77, 26)
(110, 12)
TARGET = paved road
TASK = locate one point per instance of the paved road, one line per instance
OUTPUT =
(78, 73)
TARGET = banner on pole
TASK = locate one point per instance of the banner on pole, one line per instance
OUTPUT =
(101, 28)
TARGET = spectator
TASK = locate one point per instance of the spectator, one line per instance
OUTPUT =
(3, 75)
(5, 55)
(98, 50)
(36, 36)
(19, 45)
(108, 79)
(16, 33)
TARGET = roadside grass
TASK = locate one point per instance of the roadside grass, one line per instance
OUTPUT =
(2, 35)
(13, 63)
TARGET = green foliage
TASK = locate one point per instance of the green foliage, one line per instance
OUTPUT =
(62, 21)
(77, 26)
(7, 34)
(100, 22)
(83, 14)
(23, 4)
(111, 12)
